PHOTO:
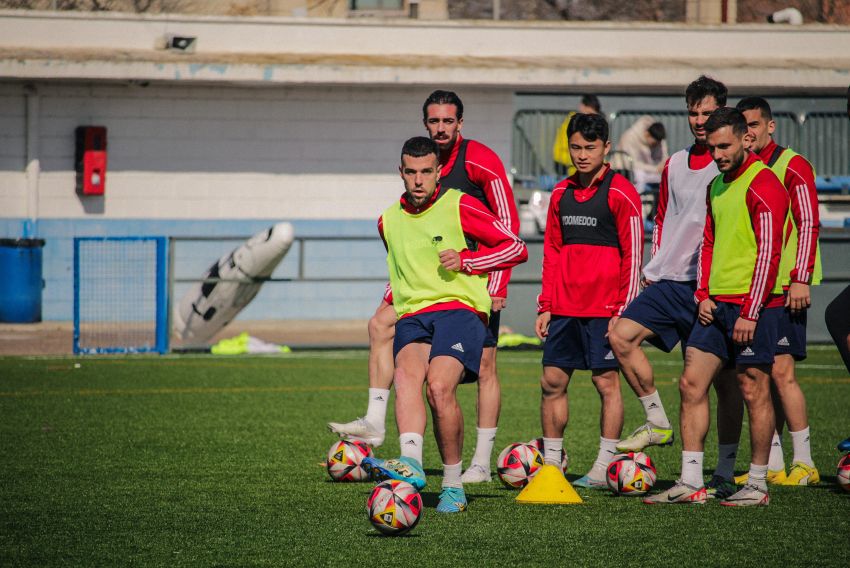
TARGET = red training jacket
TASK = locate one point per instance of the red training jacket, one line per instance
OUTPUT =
(583, 280)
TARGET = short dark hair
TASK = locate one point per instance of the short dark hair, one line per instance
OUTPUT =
(753, 103)
(657, 131)
(591, 126)
(439, 97)
(726, 116)
(419, 146)
(706, 87)
(591, 101)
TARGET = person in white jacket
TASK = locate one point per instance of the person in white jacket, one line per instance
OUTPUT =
(645, 142)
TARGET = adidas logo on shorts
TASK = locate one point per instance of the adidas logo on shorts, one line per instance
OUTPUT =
(783, 342)
(747, 352)
(609, 356)
(458, 347)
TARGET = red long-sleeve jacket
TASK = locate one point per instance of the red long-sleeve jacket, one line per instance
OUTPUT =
(767, 203)
(583, 280)
(800, 183)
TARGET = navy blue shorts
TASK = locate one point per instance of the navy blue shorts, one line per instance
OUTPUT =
(792, 334)
(667, 309)
(578, 343)
(456, 333)
(716, 338)
(492, 338)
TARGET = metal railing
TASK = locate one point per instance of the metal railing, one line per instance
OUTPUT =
(823, 137)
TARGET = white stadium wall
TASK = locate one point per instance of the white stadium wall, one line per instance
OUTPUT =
(219, 152)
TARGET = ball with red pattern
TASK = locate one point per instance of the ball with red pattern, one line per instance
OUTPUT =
(344, 460)
(518, 463)
(631, 474)
(843, 473)
(394, 507)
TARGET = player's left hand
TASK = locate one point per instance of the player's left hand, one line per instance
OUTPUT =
(743, 332)
(799, 297)
(498, 304)
(450, 259)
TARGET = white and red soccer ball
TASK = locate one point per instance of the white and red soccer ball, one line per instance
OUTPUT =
(632, 474)
(344, 461)
(843, 473)
(518, 463)
(394, 507)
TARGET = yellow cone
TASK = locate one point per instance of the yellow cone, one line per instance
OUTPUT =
(549, 487)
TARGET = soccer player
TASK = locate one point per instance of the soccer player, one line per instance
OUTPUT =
(591, 270)
(440, 295)
(738, 315)
(473, 168)
(665, 312)
(799, 269)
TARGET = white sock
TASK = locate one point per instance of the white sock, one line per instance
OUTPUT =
(776, 461)
(451, 475)
(607, 451)
(692, 469)
(376, 412)
(802, 447)
(411, 445)
(484, 447)
(758, 476)
(552, 451)
(726, 460)
(654, 410)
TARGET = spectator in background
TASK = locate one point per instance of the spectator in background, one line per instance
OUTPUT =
(589, 104)
(645, 144)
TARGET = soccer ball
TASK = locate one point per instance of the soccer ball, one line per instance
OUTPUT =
(344, 459)
(631, 474)
(843, 474)
(538, 443)
(518, 463)
(394, 507)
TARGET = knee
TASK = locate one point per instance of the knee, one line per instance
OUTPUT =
(754, 387)
(783, 374)
(379, 329)
(608, 387)
(552, 385)
(487, 373)
(690, 390)
(620, 344)
(439, 394)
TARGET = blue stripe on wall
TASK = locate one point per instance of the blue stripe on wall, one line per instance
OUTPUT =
(285, 300)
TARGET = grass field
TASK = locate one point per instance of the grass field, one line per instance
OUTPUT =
(203, 461)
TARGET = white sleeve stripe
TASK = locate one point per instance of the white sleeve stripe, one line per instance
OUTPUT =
(495, 260)
(629, 201)
(636, 255)
(760, 199)
(500, 227)
(762, 263)
(654, 249)
(804, 237)
(502, 210)
(699, 264)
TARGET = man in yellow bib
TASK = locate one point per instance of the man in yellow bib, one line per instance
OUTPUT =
(441, 243)
(799, 269)
(738, 311)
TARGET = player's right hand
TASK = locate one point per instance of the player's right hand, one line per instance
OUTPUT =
(541, 326)
(706, 311)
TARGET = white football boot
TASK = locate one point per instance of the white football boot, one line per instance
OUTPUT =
(358, 430)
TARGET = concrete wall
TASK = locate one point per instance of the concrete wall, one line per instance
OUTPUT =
(195, 152)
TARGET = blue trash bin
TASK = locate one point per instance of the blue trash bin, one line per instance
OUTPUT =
(20, 280)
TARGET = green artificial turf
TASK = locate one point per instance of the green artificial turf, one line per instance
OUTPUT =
(216, 461)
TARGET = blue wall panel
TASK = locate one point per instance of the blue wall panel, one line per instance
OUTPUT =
(284, 300)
